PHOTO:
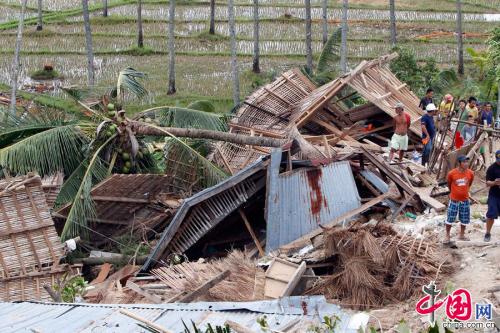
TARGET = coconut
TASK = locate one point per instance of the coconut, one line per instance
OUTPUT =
(128, 164)
(126, 156)
(111, 107)
(111, 114)
(119, 150)
(125, 169)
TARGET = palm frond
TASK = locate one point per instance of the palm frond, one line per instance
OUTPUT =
(128, 80)
(330, 55)
(83, 208)
(189, 118)
(52, 150)
(444, 80)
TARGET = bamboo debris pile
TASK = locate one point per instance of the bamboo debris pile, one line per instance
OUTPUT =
(377, 265)
(239, 286)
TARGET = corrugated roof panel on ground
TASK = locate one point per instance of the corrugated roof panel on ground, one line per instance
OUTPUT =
(92, 318)
(299, 201)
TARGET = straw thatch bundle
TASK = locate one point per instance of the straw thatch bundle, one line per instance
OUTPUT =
(376, 265)
(239, 286)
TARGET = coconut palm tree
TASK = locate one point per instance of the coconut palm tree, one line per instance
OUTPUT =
(460, 41)
(392, 13)
(171, 49)
(15, 65)
(327, 68)
(88, 40)
(324, 16)
(39, 25)
(103, 141)
(256, 49)
(211, 29)
(234, 61)
(105, 8)
(140, 35)
(309, 60)
(343, 45)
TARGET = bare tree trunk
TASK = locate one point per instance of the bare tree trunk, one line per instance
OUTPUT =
(325, 21)
(39, 25)
(105, 8)
(256, 50)
(15, 65)
(140, 35)
(234, 61)
(88, 40)
(195, 133)
(343, 45)
(309, 60)
(460, 41)
(171, 48)
(211, 30)
(392, 11)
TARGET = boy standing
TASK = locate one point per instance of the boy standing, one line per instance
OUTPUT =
(459, 182)
(399, 140)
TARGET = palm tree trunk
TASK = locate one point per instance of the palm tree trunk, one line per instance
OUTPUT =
(309, 61)
(343, 45)
(39, 25)
(88, 40)
(171, 48)
(105, 8)
(460, 42)
(392, 11)
(234, 62)
(145, 129)
(325, 21)
(140, 36)
(15, 66)
(256, 50)
(211, 29)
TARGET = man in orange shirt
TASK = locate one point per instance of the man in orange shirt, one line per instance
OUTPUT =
(459, 182)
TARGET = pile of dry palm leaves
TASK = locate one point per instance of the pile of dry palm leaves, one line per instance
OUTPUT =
(238, 286)
(377, 265)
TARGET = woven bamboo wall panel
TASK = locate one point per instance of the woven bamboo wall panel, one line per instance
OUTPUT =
(28, 239)
(28, 288)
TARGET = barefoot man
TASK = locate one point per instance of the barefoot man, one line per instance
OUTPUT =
(459, 182)
(399, 141)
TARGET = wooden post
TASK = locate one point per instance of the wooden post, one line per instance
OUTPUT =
(204, 287)
(252, 233)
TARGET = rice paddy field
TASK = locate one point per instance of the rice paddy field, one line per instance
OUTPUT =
(202, 64)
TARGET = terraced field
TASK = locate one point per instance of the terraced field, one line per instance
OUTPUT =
(203, 63)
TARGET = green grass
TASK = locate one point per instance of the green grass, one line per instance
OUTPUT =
(44, 74)
(139, 51)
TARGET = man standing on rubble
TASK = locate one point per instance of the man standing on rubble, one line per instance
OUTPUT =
(399, 140)
(493, 182)
(459, 182)
(427, 99)
(428, 132)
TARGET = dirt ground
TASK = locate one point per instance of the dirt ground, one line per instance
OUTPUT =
(477, 268)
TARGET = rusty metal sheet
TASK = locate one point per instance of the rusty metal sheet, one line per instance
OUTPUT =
(299, 201)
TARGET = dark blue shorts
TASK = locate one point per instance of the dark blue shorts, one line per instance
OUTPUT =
(493, 207)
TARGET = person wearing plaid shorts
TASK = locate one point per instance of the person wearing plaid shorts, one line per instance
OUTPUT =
(459, 182)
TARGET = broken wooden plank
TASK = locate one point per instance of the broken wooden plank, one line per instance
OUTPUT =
(294, 280)
(144, 321)
(252, 233)
(204, 287)
(103, 273)
(425, 196)
(150, 297)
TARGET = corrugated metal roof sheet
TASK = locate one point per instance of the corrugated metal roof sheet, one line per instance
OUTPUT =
(299, 201)
(61, 318)
(194, 200)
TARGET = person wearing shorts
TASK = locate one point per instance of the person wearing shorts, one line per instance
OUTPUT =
(493, 182)
(399, 140)
(459, 182)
